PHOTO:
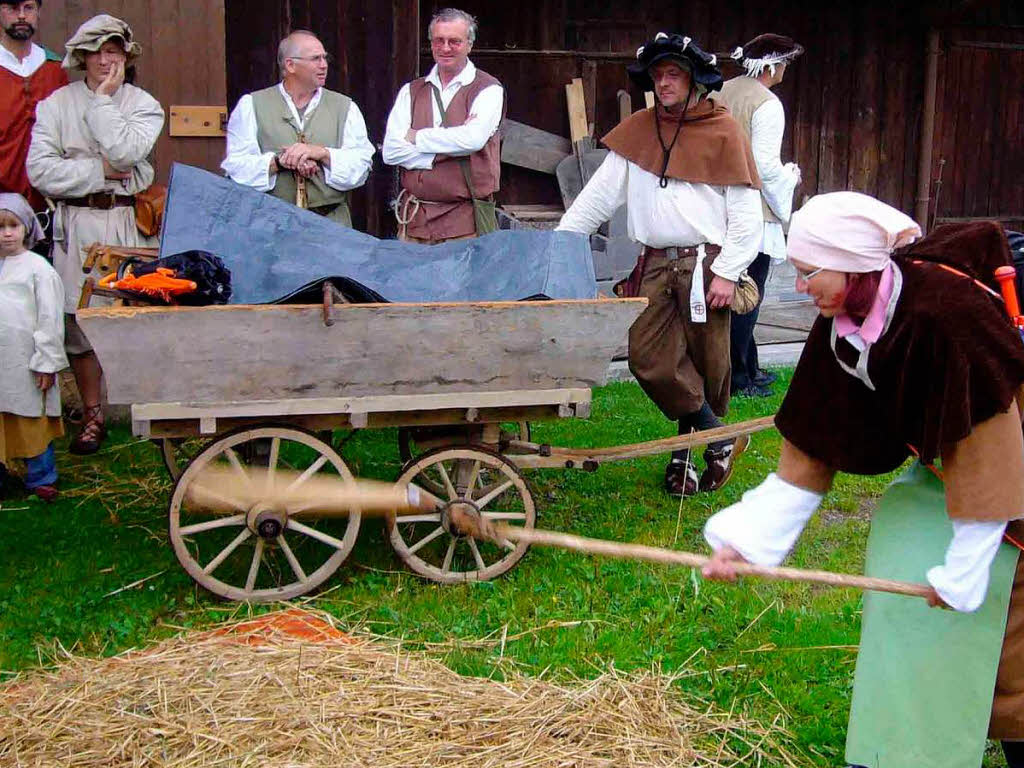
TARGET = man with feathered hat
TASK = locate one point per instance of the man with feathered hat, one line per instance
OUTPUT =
(89, 151)
(685, 169)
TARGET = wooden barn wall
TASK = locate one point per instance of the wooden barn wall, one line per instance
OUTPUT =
(978, 155)
(182, 60)
(853, 101)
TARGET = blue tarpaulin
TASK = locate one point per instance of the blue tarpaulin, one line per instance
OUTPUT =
(275, 250)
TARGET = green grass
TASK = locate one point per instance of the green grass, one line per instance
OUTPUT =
(773, 650)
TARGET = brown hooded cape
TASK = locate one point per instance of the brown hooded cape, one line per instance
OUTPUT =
(711, 148)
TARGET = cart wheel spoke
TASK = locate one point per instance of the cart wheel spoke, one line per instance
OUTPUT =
(275, 451)
(254, 566)
(313, 533)
(504, 515)
(492, 495)
(209, 525)
(432, 517)
(226, 552)
(452, 495)
(311, 470)
(292, 560)
(426, 539)
(237, 464)
(446, 566)
(476, 553)
(474, 474)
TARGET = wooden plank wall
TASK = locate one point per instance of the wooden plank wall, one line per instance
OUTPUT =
(182, 60)
(853, 101)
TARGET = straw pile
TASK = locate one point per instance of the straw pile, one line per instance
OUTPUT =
(256, 697)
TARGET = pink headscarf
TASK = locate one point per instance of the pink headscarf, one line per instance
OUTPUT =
(848, 232)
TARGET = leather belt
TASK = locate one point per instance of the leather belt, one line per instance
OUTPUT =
(682, 251)
(103, 201)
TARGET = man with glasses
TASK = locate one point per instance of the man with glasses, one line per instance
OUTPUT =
(298, 140)
(443, 133)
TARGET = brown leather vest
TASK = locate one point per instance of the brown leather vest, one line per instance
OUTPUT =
(445, 184)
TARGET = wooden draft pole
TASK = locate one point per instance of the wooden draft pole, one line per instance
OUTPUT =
(674, 557)
(924, 164)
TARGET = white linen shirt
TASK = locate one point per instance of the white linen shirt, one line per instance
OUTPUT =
(778, 181)
(682, 214)
(246, 164)
(23, 67)
(484, 119)
(31, 334)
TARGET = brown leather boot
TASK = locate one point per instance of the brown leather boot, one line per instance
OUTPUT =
(680, 478)
(720, 464)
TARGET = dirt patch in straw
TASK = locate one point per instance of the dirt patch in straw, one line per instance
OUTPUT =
(290, 691)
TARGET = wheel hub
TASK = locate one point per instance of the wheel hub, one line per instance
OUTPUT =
(265, 522)
(460, 517)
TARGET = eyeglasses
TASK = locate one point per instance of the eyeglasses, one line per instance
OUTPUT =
(326, 58)
(453, 42)
(805, 276)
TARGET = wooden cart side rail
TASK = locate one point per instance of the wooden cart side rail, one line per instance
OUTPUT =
(570, 402)
(535, 456)
(549, 303)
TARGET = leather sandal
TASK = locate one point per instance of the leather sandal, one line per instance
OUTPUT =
(47, 493)
(720, 464)
(680, 478)
(92, 434)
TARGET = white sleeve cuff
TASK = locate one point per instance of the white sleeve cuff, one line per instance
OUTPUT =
(765, 524)
(962, 581)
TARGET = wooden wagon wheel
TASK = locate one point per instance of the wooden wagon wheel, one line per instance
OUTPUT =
(258, 552)
(431, 546)
(177, 452)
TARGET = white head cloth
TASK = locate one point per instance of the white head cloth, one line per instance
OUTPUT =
(848, 232)
(18, 205)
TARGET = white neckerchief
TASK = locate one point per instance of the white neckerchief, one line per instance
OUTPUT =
(860, 371)
(698, 309)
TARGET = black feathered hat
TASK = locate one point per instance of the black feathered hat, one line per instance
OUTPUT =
(703, 66)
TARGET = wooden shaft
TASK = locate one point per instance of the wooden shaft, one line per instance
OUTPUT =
(674, 557)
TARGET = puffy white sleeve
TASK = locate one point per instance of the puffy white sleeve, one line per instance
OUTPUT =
(600, 198)
(48, 336)
(484, 118)
(764, 525)
(244, 162)
(778, 181)
(126, 133)
(396, 150)
(48, 169)
(350, 163)
(962, 580)
(744, 230)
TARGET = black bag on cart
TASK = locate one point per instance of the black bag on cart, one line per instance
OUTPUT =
(207, 271)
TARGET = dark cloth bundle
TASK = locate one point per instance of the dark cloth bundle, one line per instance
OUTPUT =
(949, 360)
(207, 271)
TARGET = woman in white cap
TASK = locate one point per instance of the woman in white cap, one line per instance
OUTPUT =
(911, 354)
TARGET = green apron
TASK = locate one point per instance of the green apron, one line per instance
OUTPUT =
(922, 690)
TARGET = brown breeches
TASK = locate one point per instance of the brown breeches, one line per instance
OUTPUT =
(679, 363)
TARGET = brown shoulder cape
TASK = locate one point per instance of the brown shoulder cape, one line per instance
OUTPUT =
(711, 148)
(949, 361)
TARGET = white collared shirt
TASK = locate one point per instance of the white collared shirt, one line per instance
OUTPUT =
(778, 181)
(484, 119)
(246, 164)
(681, 214)
(23, 67)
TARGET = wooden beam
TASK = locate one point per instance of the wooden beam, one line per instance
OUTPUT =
(528, 147)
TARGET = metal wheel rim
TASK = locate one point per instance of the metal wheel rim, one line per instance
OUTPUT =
(407, 550)
(293, 589)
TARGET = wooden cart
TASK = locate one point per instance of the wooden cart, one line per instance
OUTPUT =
(258, 386)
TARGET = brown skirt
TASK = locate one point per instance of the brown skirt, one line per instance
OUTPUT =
(22, 437)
